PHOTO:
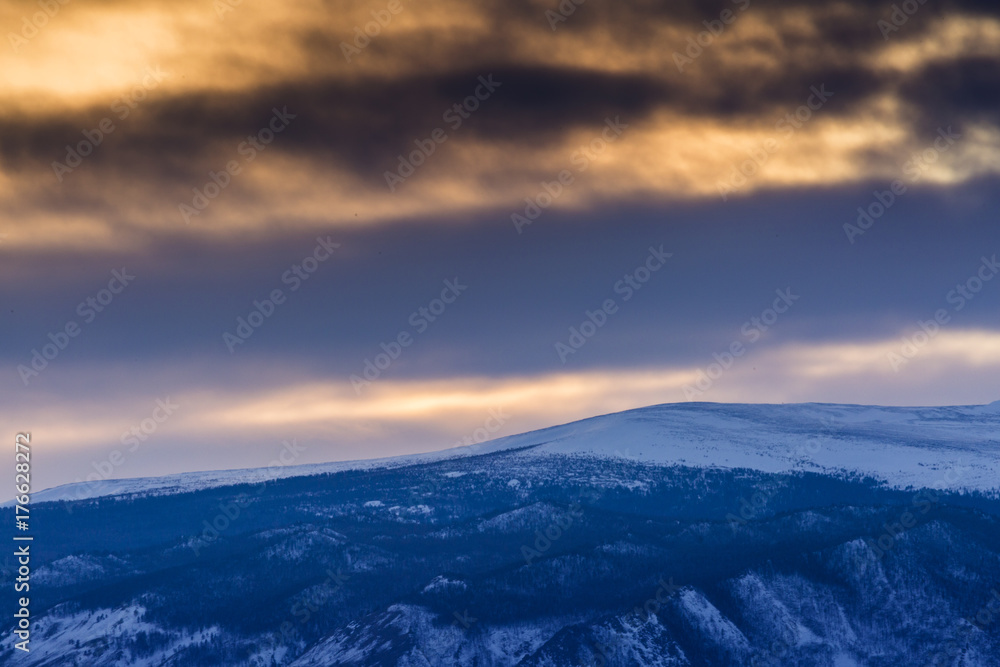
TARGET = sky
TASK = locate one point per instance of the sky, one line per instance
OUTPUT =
(377, 228)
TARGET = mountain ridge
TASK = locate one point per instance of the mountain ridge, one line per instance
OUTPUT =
(601, 542)
(715, 436)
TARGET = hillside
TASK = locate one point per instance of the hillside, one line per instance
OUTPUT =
(695, 534)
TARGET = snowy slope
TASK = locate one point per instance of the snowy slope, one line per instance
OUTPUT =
(196, 481)
(937, 447)
(954, 447)
(621, 540)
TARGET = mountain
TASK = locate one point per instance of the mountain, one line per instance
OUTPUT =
(686, 534)
(904, 446)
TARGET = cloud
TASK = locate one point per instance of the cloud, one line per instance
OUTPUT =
(245, 421)
(722, 146)
(688, 131)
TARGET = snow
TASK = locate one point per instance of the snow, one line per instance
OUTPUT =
(940, 447)
(62, 630)
(419, 639)
(535, 514)
(920, 447)
(415, 509)
(74, 569)
(710, 621)
(444, 583)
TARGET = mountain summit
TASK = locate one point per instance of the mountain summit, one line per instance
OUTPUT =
(903, 446)
(687, 535)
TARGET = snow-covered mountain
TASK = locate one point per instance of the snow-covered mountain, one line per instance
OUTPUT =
(689, 534)
(902, 446)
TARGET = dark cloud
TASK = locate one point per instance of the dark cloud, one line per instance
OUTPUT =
(526, 291)
(364, 122)
(959, 92)
(364, 125)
